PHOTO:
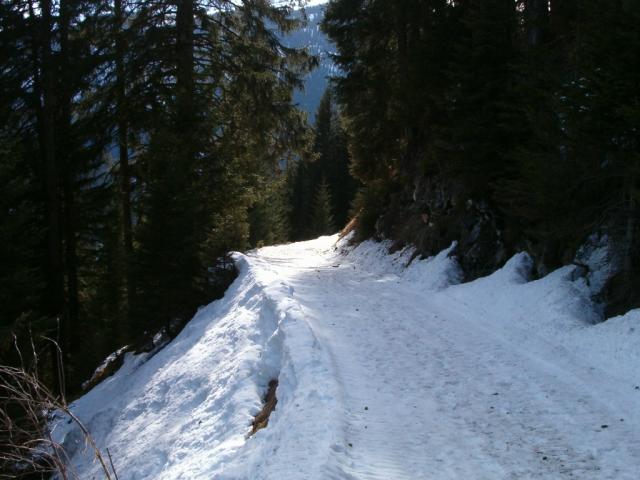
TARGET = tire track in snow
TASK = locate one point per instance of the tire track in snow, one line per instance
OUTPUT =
(429, 393)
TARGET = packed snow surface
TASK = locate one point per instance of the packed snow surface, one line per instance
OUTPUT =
(387, 369)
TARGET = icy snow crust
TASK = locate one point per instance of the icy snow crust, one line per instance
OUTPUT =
(388, 369)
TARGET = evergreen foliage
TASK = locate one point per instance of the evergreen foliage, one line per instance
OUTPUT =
(137, 138)
(269, 216)
(530, 105)
(330, 163)
(141, 141)
(321, 217)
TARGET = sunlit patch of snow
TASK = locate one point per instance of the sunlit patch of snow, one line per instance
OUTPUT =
(388, 368)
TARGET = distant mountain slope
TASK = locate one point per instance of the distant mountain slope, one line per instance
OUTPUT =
(312, 37)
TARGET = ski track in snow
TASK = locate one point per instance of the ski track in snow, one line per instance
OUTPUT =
(385, 372)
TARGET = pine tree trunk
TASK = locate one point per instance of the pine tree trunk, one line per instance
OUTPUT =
(69, 326)
(55, 274)
(56, 279)
(403, 70)
(123, 153)
(185, 59)
(630, 226)
(537, 15)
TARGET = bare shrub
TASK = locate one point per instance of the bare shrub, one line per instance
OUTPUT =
(27, 446)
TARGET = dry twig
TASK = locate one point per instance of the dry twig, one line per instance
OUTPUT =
(27, 445)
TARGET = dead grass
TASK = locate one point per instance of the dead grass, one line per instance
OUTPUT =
(27, 446)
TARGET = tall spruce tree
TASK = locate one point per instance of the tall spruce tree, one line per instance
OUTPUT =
(143, 133)
(321, 221)
(572, 177)
(229, 112)
(269, 216)
(480, 127)
(333, 159)
(528, 105)
(330, 162)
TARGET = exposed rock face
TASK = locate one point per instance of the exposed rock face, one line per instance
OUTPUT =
(108, 367)
(438, 212)
(613, 282)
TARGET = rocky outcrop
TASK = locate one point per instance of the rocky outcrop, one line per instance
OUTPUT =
(108, 367)
(438, 212)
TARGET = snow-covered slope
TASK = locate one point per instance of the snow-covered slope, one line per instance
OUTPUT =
(385, 372)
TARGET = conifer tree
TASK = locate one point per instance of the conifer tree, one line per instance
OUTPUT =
(333, 158)
(321, 222)
(572, 176)
(144, 132)
(330, 160)
(480, 127)
(300, 190)
(21, 237)
(269, 216)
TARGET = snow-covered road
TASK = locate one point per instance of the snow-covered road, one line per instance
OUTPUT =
(385, 372)
(433, 388)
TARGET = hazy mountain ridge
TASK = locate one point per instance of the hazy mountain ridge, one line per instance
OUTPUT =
(312, 37)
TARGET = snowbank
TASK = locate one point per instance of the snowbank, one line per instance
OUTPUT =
(388, 368)
(186, 412)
